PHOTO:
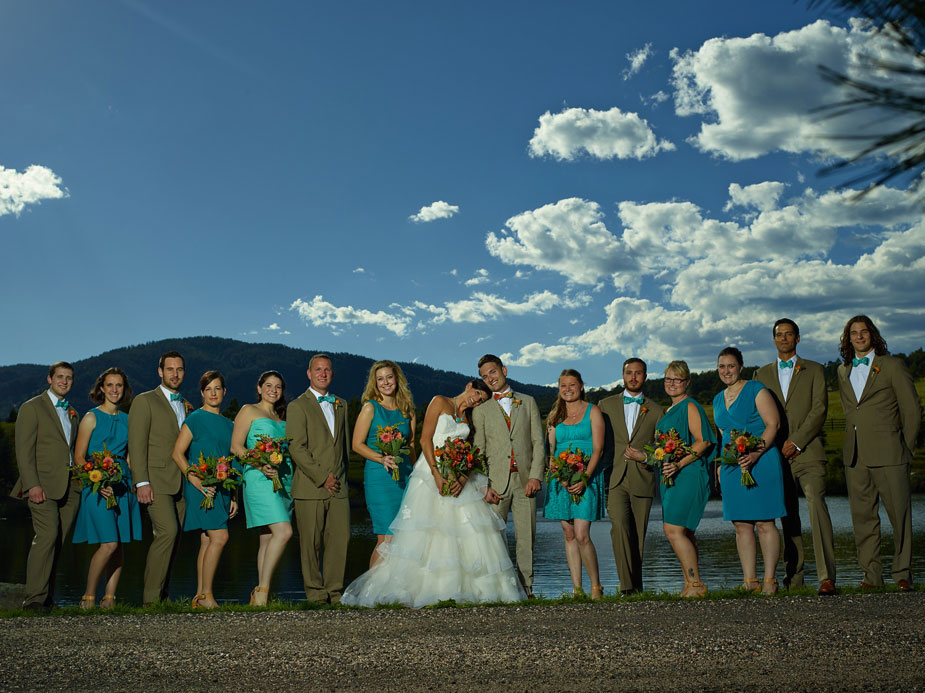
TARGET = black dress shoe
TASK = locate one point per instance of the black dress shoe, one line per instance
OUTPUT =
(37, 607)
(905, 586)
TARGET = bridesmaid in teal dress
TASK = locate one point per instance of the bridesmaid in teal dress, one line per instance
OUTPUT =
(746, 405)
(388, 402)
(265, 508)
(683, 503)
(577, 423)
(207, 432)
(95, 524)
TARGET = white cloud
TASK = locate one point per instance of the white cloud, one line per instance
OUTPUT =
(637, 59)
(610, 134)
(33, 185)
(536, 352)
(359, 270)
(321, 313)
(480, 277)
(435, 210)
(757, 93)
(482, 307)
(273, 327)
(655, 99)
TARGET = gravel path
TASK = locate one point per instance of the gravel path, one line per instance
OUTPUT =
(870, 641)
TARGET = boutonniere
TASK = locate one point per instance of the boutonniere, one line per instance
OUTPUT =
(516, 402)
(72, 413)
(875, 369)
(797, 368)
(338, 404)
(643, 409)
(187, 407)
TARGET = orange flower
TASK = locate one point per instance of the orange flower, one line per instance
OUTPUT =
(88, 466)
(221, 475)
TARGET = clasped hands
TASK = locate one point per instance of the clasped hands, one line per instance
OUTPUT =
(331, 484)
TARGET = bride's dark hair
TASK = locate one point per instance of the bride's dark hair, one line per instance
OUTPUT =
(477, 384)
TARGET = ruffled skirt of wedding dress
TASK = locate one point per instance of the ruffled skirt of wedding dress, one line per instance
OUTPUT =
(442, 548)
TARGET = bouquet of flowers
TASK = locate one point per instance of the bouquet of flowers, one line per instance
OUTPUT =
(271, 451)
(668, 447)
(569, 467)
(741, 443)
(102, 470)
(390, 441)
(215, 471)
(455, 458)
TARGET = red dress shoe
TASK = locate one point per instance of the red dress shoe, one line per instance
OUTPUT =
(905, 586)
(827, 588)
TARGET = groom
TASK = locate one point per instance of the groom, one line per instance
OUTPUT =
(509, 432)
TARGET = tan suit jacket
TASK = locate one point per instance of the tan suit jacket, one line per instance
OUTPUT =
(315, 452)
(639, 479)
(880, 428)
(525, 437)
(42, 452)
(152, 433)
(803, 410)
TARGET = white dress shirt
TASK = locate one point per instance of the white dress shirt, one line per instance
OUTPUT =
(859, 373)
(506, 402)
(785, 375)
(631, 411)
(65, 420)
(178, 409)
(327, 408)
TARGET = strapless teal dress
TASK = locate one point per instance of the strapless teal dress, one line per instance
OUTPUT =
(262, 505)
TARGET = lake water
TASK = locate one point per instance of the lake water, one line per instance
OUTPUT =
(237, 574)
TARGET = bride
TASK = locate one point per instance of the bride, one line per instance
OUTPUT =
(443, 547)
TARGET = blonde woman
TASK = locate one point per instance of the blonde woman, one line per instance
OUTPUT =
(387, 402)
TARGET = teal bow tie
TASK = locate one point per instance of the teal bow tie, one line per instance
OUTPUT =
(63, 403)
(786, 364)
(176, 398)
(629, 400)
(327, 398)
(857, 362)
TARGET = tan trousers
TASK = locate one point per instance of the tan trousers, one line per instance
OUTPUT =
(524, 510)
(324, 532)
(629, 517)
(51, 522)
(811, 478)
(867, 486)
(167, 513)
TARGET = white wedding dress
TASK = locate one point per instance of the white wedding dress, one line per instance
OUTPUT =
(442, 547)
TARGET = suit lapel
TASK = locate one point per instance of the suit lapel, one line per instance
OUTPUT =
(775, 383)
(55, 419)
(166, 409)
(871, 374)
(338, 420)
(515, 412)
(314, 408)
(639, 418)
(844, 374)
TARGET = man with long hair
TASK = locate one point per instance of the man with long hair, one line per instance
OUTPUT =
(882, 417)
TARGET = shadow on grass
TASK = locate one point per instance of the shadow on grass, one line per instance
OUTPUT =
(182, 606)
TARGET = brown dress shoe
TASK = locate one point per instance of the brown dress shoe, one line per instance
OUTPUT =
(905, 586)
(826, 588)
(867, 587)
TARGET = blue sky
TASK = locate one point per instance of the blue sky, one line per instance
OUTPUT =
(563, 184)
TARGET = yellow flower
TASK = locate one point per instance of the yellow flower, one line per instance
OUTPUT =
(275, 457)
(95, 475)
(659, 454)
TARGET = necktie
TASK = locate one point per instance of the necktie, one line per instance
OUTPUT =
(857, 362)
(63, 403)
(629, 400)
(176, 397)
(504, 395)
(786, 364)
(326, 398)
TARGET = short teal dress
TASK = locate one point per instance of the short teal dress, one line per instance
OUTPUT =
(262, 505)
(95, 524)
(211, 437)
(559, 505)
(684, 502)
(766, 500)
(383, 493)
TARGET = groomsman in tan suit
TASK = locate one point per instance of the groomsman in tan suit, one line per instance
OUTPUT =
(46, 429)
(798, 386)
(317, 423)
(509, 431)
(629, 420)
(154, 423)
(882, 418)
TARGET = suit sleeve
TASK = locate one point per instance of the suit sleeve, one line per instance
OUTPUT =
(810, 427)
(139, 428)
(297, 430)
(538, 465)
(27, 427)
(910, 409)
